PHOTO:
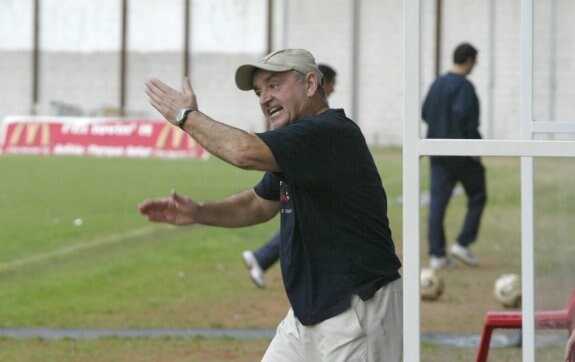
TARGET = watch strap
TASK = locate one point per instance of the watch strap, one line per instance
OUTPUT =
(183, 116)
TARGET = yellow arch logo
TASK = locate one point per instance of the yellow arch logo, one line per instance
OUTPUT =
(31, 132)
(176, 135)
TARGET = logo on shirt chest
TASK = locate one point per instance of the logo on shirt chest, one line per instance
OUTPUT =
(286, 207)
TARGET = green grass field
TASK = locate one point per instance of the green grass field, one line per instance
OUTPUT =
(116, 270)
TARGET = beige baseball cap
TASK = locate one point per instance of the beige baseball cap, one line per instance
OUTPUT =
(278, 61)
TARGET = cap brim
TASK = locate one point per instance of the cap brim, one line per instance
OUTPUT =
(245, 74)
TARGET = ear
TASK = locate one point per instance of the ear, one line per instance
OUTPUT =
(312, 83)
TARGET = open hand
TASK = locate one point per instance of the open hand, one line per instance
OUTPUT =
(176, 209)
(167, 100)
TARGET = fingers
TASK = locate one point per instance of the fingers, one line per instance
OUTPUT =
(155, 89)
(188, 86)
(174, 209)
(143, 207)
(169, 101)
(189, 93)
(164, 99)
(179, 201)
(161, 91)
(154, 92)
(175, 197)
(159, 87)
(157, 217)
(157, 210)
(154, 100)
(149, 206)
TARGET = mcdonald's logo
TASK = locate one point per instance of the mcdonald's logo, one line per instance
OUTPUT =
(176, 135)
(37, 134)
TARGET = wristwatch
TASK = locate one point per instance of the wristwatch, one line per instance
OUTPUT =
(182, 116)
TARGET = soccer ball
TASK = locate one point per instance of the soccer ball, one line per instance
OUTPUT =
(507, 290)
(431, 284)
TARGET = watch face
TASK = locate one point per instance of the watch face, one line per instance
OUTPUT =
(180, 115)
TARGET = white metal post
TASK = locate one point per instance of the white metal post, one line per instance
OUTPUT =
(411, 119)
(526, 148)
(527, 265)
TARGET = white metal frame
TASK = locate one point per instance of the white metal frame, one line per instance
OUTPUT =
(526, 148)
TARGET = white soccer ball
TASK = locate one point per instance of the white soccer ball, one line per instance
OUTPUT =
(431, 284)
(507, 290)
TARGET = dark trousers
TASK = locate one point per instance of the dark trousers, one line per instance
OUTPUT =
(269, 253)
(445, 173)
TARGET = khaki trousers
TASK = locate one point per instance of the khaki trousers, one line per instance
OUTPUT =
(367, 331)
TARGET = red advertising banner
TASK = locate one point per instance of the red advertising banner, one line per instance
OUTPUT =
(96, 137)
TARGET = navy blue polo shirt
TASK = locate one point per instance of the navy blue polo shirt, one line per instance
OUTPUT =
(451, 108)
(335, 235)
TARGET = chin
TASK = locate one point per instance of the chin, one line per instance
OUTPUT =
(278, 123)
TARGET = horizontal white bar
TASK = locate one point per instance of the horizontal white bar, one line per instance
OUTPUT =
(518, 148)
(552, 127)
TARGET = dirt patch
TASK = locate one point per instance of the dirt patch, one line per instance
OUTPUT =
(467, 297)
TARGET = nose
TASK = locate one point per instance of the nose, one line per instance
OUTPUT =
(264, 97)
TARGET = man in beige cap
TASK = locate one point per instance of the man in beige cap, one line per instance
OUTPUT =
(260, 260)
(338, 260)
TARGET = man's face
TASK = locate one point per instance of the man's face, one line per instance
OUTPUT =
(470, 64)
(329, 87)
(282, 96)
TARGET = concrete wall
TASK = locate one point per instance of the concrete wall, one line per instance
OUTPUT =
(89, 80)
(16, 81)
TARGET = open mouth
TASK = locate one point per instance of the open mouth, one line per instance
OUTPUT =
(273, 110)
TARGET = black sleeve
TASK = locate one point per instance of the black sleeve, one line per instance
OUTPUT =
(307, 150)
(269, 187)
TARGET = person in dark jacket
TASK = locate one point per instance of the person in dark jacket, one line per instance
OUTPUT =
(451, 110)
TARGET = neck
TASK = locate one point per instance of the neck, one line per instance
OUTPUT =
(459, 69)
(318, 106)
(320, 109)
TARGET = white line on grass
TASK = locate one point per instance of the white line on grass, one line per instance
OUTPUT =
(110, 239)
(115, 238)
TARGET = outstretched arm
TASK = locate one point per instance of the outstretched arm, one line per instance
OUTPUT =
(242, 209)
(235, 146)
